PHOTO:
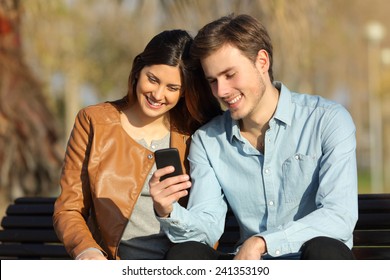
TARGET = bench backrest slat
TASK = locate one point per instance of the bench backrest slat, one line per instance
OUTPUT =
(27, 222)
(371, 237)
(30, 209)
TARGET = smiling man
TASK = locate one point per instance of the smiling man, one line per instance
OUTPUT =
(283, 161)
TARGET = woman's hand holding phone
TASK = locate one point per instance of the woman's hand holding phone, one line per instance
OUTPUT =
(168, 183)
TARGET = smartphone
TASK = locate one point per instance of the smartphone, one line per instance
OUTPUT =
(167, 157)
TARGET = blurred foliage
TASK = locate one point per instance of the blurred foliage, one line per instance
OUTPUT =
(30, 154)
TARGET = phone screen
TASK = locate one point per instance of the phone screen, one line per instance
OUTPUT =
(167, 157)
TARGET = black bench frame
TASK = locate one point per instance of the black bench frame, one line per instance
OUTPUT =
(28, 230)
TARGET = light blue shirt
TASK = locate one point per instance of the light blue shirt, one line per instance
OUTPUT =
(305, 184)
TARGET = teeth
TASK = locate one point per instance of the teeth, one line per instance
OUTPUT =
(154, 103)
(235, 100)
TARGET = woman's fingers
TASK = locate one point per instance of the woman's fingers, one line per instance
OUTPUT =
(168, 191)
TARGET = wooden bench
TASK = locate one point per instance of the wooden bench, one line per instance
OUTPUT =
(371, 234)
(28, 230)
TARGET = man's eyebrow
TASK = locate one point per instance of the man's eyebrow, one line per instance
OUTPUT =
(220, 73)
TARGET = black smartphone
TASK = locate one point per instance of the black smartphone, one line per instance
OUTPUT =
(167, 157)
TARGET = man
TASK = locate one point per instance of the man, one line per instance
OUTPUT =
(284, 162)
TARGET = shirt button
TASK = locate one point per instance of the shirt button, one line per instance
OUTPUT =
(277, 252)
(297, 157)
(266, 171)
(150, 156)
(271, 203)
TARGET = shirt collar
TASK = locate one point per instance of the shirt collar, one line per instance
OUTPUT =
(235, 127)
(283, 111)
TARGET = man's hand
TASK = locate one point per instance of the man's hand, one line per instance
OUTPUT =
(168, 191)
(252, 249)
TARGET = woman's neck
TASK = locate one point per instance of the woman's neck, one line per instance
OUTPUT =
(139, 126)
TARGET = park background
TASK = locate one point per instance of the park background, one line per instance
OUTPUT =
(58, 56)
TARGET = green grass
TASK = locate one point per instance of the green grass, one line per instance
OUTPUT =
(364, 183)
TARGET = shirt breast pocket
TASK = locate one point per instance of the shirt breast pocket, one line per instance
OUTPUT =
(300, 177)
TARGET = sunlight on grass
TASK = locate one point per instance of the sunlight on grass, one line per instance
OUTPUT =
(364, 182)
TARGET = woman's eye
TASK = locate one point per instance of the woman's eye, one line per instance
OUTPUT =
(173, 89)
(152, 79)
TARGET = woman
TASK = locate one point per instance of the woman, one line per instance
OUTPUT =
(105, 210)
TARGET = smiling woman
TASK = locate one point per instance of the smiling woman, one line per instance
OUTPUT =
(157, 92)
(105, 210)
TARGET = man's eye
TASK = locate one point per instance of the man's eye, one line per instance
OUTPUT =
(230, 75)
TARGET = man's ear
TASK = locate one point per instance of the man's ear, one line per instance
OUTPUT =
(262, 61)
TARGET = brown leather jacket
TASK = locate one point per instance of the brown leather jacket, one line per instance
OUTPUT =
(103, 174)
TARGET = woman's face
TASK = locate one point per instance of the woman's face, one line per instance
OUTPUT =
(158, 89)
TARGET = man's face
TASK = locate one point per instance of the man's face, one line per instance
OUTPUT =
(235, 80)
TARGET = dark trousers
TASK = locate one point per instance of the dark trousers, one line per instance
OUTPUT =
(318, 248)
(325, 248)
